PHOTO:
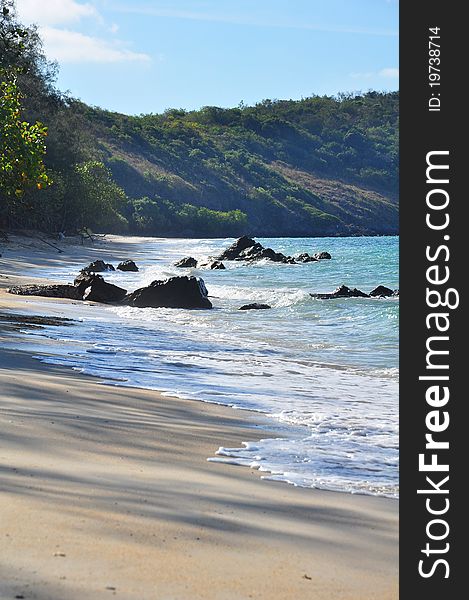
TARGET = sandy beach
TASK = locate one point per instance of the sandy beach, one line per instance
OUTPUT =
(106, 491)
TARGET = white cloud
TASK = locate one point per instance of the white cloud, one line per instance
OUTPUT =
(67, 46)
(74, 47)
(54, 12)
(392, 73)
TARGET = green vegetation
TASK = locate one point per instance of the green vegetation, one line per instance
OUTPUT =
(317, 166)
(22, 146)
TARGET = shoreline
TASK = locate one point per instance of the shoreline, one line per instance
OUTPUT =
(108, 492)
(175, 237)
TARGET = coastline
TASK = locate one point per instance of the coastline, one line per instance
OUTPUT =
(108, 491)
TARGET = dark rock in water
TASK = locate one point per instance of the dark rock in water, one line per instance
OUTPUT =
(305, 257)
(395, 293)
(237, 247)
(187, 262)
(322, 256)
(274, 256)
(250, 252)
(258, 252)
(248, 249)
(127, 265)
(48, 291)
(84, 280)
(87, 286)
(175, 292)
(341, 292)
(92, 287)
(216, 264)
(381, 292)
(98, 266)
(101, 291)
(254, 306)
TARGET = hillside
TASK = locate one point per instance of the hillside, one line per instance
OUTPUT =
(318, 166)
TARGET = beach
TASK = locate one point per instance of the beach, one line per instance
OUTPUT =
(107, 490)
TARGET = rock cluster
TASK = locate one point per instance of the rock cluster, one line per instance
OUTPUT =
(99, 266)
(189, 262)
(175, 292)
(245, 248)
(345, 292)
(182, 292)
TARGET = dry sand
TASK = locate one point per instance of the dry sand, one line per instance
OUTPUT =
(106, 491)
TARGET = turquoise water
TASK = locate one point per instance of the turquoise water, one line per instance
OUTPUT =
(325, 372)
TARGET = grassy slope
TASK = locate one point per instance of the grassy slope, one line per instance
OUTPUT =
(317, 166)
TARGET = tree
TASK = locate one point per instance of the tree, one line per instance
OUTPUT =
(22, 145)
(21, 50)
(96, 200)
(12, 36)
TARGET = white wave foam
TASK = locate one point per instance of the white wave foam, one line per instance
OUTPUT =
(278, 298)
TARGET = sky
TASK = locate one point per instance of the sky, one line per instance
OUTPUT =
(144, 56)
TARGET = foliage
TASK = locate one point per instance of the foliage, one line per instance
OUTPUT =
(22, 149)
(161, 217)
(100, 199)
(228, 159)
(84, 197)
(22, 145)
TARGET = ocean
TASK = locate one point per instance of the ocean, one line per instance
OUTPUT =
(325, 372)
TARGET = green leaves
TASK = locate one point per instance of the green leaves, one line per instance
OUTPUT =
(22, 145)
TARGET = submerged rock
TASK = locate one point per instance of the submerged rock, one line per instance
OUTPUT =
(341, 292)
(382, 292)
(34, 321)
(187, 262)
(127, 265)
(322, 256)
(175, 292)
(254, 306)
(47, 291)
(216, 264)
(305, 257)
(98, 266)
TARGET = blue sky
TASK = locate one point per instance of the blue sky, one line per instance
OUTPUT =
(144, 56)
